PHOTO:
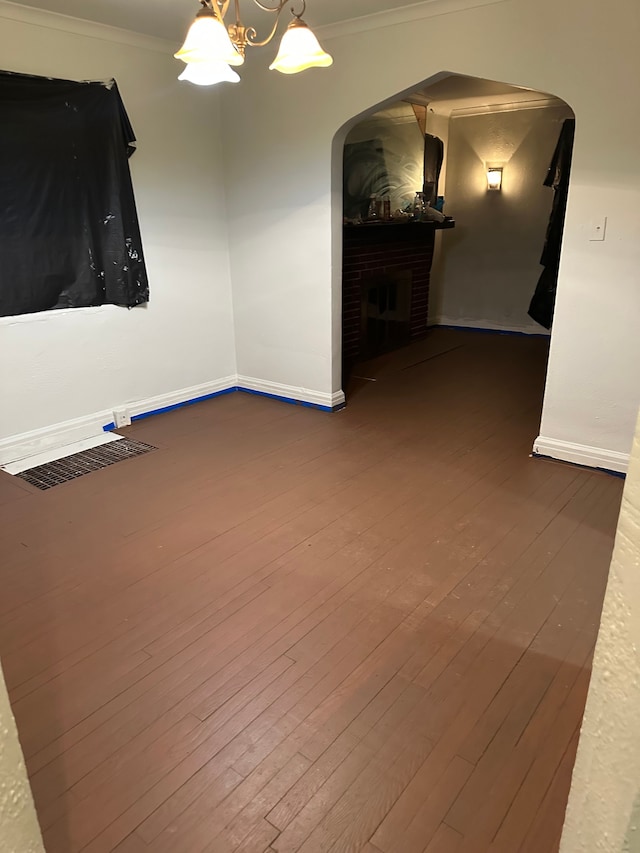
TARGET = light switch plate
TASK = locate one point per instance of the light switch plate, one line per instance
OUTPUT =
(597, 229)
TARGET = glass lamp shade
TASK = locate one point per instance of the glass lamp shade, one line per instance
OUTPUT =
(494, 179)
(209, 73)
(208, 40)
(299, 50)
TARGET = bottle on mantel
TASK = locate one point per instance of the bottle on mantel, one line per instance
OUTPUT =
(372, 212)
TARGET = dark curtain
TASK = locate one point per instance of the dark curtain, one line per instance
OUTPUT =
(544, 298)
(433, 157)
(69, 232)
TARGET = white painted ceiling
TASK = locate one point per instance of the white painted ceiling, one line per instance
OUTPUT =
(455, 93)
(456, 87)
(169, 19)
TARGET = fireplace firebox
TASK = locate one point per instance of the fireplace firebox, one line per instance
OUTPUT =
(385, 287)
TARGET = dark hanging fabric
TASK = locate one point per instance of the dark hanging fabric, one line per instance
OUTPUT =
(544, 298)
(433, 156)
(69, 232)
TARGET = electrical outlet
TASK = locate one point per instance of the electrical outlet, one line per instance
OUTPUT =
(121, 418)
(598, 229)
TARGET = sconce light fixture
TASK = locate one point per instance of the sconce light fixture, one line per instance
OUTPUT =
(213, 48)
(494, 178)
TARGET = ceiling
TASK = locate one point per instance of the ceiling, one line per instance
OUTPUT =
(456, 87)
(169, 19)
(455, 93)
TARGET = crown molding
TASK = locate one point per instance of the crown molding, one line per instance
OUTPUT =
(508, 107)
(403, 15)
(79, 26)
(387, 120)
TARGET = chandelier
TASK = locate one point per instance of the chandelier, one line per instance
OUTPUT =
(212, 49)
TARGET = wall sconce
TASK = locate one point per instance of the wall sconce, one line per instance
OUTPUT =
(494, 178)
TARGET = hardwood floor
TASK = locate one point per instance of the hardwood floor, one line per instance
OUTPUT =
(286, 630)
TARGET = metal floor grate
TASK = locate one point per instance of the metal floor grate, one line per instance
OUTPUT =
(62, 470)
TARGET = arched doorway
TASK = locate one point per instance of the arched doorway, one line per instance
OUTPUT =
(481, 269)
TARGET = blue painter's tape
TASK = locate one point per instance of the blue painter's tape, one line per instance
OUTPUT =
(609, 471)
(291, 400)
(490, 331)
(181, 405)
(618, 474)
(111, 426)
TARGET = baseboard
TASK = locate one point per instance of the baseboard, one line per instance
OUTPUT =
(481, 326)
(55, 453)
(36, 441)
(292, 394)
(25, 445)
(582, 454)
(177, 399)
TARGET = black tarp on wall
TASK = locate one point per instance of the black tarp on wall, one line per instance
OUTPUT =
(69, 232)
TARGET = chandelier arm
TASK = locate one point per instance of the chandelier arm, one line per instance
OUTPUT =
(251, 34)
(279, 7)
(280, 4)
(301, 12)
(219, 6)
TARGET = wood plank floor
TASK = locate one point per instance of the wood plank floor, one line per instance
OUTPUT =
(286, 630)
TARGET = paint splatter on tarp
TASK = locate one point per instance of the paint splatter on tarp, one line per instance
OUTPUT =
(69, 232)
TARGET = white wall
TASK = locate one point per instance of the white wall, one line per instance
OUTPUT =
(19, 830)
(63, 365)
(490, 264)
(285, 246)
(603, 815)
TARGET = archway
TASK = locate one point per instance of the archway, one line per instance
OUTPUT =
(486, 271)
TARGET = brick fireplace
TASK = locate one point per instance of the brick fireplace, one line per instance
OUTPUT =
(385, 287)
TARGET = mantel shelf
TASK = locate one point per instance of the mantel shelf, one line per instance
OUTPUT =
(395, 223)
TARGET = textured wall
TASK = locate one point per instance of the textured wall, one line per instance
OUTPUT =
(603, 815)
(19, 830)
(491, 264)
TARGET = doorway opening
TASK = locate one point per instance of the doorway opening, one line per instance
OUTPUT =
(453, 205)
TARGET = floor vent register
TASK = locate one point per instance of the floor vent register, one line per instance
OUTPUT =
(70, 468)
